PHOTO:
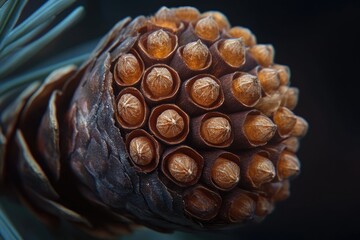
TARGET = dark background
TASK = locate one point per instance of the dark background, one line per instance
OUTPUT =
(320, 41)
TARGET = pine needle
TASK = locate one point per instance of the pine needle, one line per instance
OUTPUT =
(20, 57)
(45, 12)
(7, 231)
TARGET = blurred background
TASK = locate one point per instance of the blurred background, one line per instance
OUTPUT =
(319, 41)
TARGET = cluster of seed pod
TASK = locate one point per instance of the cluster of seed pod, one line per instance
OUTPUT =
(206, 105)
(176, 121)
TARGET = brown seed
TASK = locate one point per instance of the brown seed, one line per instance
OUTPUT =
(261, 170)
(283, 192)
(301, 127)
(292, 144)
(263, 206)
(159, 44)
(195, 55)
(285, 120)
(169, 123)
(202, 203)
(233, 52)
(246, 89)
(269, 104)
(160, 82)
(263, 54)
(225, 173)
(291, 97)
(207, 29)
(130, 109)
(284, 74)
(205, 91)
(216, 130)
(182, 168)
(219, 18)
(187, 14)
(288, 165)
(128, 68)
(242, 208)
(269, 80)
(165, 18)
(141, 150)
(244, 33)
(259, 129)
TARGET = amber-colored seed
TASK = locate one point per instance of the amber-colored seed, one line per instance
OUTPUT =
(301, 127)
(246, 89)
(160, 82)
(242, 208)
(201, 204)
(263, 54)
(131, 109)
(169, 123)
(159, 44)
(141, 150)
(165, 17)
(216, 130)
(219, 18)
(128, 68)
(269, 104)
(285, 120)
(187, 14)
(225, 173)
(291, 97)
(269, 80)
(244, 33)
(207, 29)
(233, 51)
(284, 74)
(288, 165)
(261, 170)
(263, 206)
(182, 167)
(259, 129)
(205, 91)
(283, 192)
(195, 55)
(292, 144)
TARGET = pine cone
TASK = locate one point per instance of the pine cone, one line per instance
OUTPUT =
(176, 122)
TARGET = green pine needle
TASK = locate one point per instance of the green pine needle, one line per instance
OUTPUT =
(12, 11)
(45, 12)
(7, 231)
(20, 57)
(39, 74)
